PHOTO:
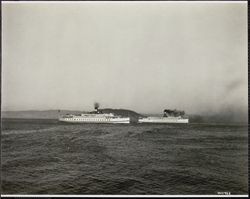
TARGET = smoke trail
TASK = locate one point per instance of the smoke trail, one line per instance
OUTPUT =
(96, 105)
(235, 84)
(169, 112)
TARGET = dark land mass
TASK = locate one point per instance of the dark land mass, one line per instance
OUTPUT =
(123, 112)
(34, 114)
(55, 114)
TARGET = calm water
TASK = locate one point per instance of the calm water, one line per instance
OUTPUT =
(47, 157)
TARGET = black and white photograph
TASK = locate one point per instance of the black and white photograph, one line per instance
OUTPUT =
(124, 98)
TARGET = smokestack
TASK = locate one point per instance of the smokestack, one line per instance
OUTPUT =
(96, 105)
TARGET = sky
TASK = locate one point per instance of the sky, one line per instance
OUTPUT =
(140, 56)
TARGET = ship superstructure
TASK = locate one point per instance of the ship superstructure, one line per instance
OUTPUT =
(170, 116)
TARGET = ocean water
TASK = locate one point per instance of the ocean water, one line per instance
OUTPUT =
(48, 157)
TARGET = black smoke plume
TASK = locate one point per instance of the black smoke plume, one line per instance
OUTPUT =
(96, 105)
(176, 113)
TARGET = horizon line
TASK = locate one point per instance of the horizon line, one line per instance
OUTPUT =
(152, 113)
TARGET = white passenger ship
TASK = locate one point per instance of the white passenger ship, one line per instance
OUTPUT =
(95, 117)
(167, 118)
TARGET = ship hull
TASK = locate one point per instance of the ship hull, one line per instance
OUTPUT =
(164, 120)
(96, 121)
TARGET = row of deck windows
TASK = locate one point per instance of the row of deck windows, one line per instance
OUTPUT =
(87, 119)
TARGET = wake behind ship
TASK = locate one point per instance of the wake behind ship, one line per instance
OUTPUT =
(95, 117)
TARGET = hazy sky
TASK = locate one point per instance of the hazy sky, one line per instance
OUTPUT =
(140, 56)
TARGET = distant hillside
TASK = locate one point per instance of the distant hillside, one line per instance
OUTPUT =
(47, 114)
(123, 112)
(54, 114)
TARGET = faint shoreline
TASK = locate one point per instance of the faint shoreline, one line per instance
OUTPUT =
(55, 114)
